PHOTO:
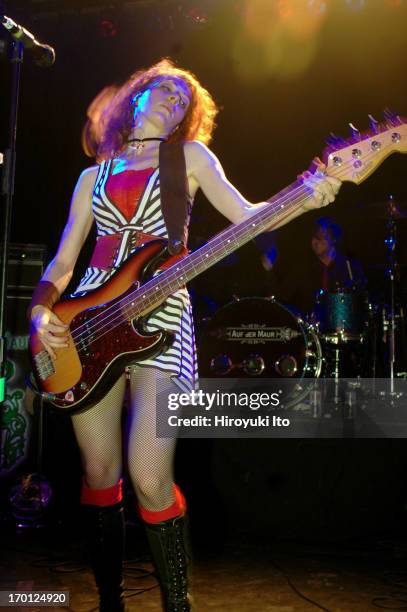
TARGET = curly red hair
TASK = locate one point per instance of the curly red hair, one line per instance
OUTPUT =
(197, 124)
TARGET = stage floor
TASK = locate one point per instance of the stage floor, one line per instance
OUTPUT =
(239, 577)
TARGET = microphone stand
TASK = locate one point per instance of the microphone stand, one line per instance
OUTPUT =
(16, 59)
(9, 169)
(392, 271)
(21, 490)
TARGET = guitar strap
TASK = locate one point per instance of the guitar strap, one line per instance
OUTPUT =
(175, 202)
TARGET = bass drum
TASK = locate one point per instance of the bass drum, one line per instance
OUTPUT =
(259, 337)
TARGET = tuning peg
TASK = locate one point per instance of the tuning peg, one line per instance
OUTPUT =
(335, 141)
(355, 131)
(392, 117)
(374, 124)
(332, 140)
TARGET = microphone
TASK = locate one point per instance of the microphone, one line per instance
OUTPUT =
(43, 55)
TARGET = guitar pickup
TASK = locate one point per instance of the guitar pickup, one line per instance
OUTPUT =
(44, 365)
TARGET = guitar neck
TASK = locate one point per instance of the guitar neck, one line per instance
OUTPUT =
(155, 291)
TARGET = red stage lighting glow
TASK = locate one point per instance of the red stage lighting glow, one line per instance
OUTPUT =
(107, 28)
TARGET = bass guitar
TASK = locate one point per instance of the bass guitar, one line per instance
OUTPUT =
(107, 326)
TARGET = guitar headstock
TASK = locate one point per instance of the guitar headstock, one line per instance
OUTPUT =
(356, 158)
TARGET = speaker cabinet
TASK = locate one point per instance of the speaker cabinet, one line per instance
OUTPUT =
(25, 267)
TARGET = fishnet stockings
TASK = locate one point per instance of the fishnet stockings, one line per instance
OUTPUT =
(150, 459)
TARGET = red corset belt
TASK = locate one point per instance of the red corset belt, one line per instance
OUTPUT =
(107, 247)
(124, 191)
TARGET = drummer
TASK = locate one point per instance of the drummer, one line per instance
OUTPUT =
(297, 277)
(333, 270)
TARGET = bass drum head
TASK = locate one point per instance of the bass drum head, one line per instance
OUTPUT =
(258, 337)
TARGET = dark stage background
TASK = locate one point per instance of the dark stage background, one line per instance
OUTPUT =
(283, 81)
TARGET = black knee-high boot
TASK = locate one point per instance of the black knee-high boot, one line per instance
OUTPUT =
(104, 535)
(169, 543)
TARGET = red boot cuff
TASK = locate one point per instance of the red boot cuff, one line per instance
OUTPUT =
(177, 508)
(102, 497)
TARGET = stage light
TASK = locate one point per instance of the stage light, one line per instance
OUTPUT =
(285, 8)
(196, 14)
(260, 19)
(278, 38)
(107, 28)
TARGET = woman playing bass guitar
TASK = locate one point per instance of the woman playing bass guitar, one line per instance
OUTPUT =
(158, 113)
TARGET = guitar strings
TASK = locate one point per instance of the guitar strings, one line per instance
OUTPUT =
(108, 321)
(103, 317)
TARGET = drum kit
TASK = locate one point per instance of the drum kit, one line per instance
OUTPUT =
(348, 335)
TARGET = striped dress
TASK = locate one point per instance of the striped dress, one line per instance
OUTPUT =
(179, 360)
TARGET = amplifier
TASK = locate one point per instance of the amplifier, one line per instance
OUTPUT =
(25, 268)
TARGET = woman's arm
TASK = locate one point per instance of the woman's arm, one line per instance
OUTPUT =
(59, 271)
(207, 172)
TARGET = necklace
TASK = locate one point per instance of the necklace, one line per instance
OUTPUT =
(139, 143)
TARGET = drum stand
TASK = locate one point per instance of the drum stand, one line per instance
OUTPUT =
(390, 323)
(336, 377)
